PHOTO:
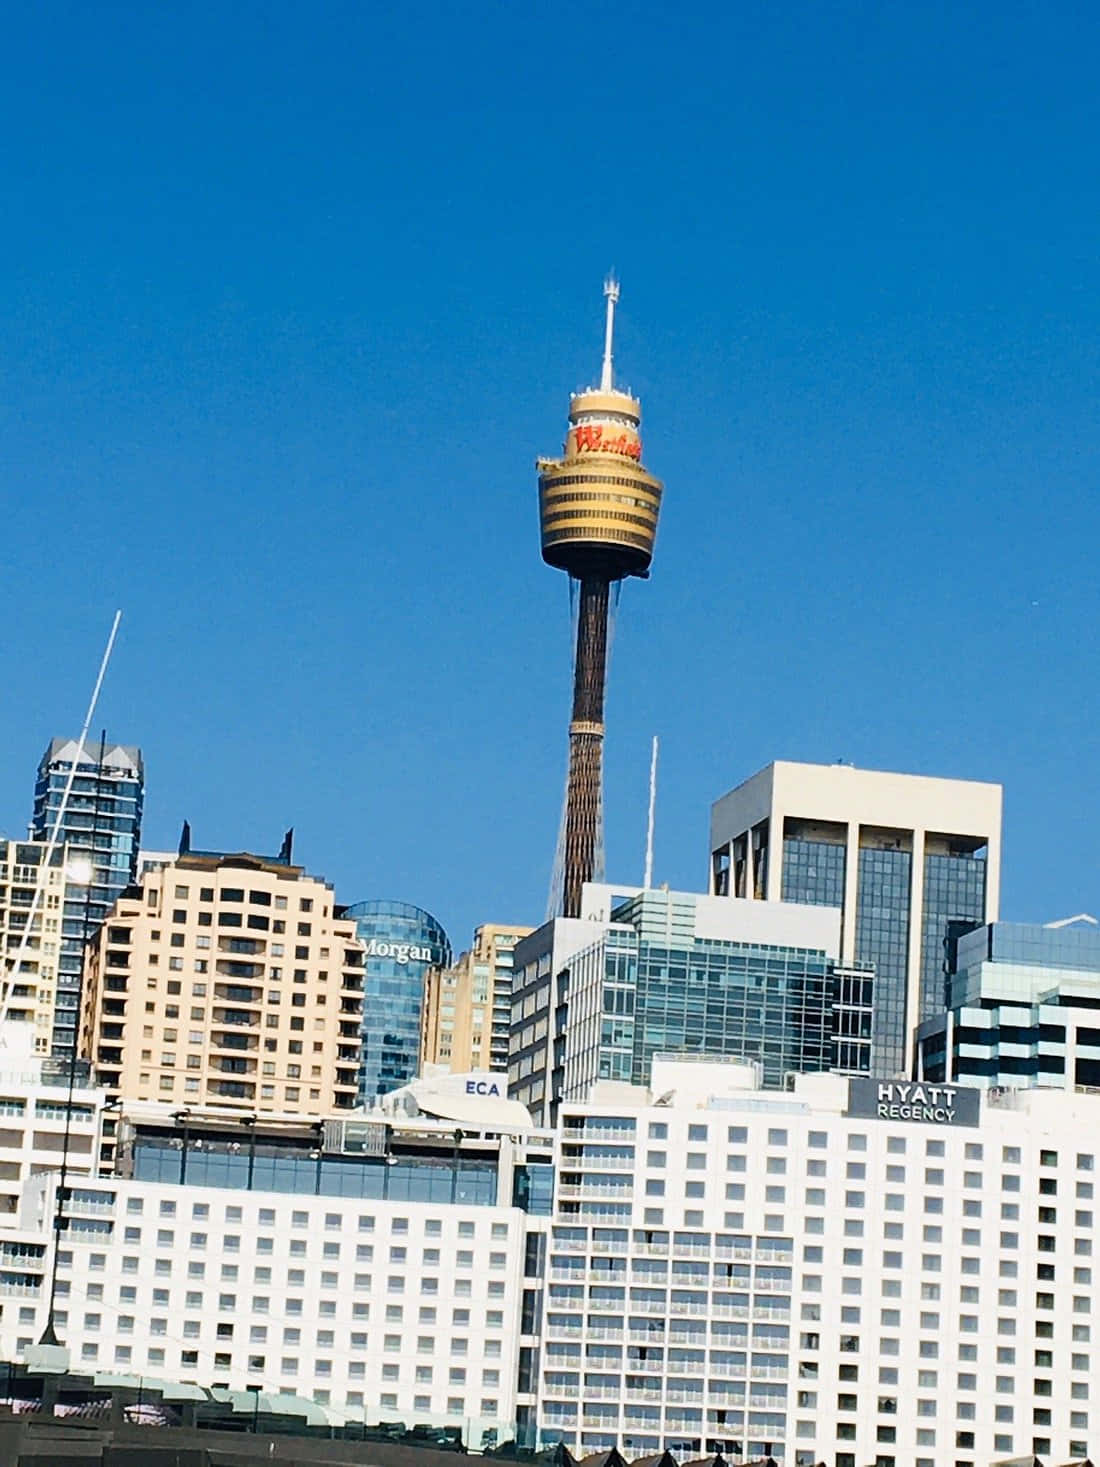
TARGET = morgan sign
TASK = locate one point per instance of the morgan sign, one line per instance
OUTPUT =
(914, 1100)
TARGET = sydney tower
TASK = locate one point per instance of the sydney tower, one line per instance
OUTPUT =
(598, 510)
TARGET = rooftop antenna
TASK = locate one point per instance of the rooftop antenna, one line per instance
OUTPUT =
(611, 291)
(648, 883)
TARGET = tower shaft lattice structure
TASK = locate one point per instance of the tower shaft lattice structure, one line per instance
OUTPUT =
(598, 508)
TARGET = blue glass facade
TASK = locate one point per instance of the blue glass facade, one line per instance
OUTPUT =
(102, 825)
(402, 943)
(813, 872)
(785, 1007)
(954, 893)
(882, 939)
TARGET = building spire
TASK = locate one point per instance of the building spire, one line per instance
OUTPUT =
(611, 291)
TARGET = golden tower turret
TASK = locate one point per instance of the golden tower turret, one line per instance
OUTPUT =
(598, 509)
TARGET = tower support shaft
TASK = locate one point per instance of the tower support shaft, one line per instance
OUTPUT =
(584, 794)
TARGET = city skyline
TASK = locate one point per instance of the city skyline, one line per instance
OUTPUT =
(249, 404)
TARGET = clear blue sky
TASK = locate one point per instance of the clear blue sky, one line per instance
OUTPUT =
(292, 296)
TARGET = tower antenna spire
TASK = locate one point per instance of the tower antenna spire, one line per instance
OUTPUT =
(648, 881)
(611, 291)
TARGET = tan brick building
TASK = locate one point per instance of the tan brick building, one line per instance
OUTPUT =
(27, 996)
(226, 980)
(468, 1007)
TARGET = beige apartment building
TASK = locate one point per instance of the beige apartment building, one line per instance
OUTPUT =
(226, 980)
(30, 934)
(467, 1009)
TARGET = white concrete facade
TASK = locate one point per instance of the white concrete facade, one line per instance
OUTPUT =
(765, 1272)
(858, 809)
(33, 1114)
(378, 1310)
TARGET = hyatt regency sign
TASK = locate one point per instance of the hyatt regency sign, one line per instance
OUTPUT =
(913, 1100)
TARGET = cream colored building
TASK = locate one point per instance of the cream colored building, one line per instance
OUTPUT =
(226, 980)
(907, 858)
(34, 1109)
(30, 934)
(467, 1009)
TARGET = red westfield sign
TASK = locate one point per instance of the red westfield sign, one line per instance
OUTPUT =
(590, 438)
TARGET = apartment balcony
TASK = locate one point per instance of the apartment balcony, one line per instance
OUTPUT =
(648, 1306)
(236, 1018)
(236, 1042)
(350, 1006)
(654, 1250)
(586, 1188)
(238, 993)
(692, 1398)
(687, 1336)
(19, 1291)
(604, 1245)
(646, 1336)
(568, 1275)
(604, 1332)
(602, 1393)
(572, 1159)
(221, 1066)
(231, 1089)
(245, 946)
(724, 1254)
(108, 1055)
(561, 1392)
(642, 1393)
(347, 1078)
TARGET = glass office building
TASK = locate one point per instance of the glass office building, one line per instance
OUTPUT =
(1022, 1012)
(907, 859)
(402, 943)
(653, 985)
(102, 826)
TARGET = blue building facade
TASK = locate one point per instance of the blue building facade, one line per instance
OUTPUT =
(402, 943)
(102, 826)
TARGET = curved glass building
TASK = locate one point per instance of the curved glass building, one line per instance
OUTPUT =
(402, 943)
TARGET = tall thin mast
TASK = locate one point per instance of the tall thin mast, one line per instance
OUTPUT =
(611, 291)
(648, 882)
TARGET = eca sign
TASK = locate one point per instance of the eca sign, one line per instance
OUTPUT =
(483, 1087)
(913, 1100)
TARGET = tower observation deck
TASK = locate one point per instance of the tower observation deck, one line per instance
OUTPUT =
(598, 509)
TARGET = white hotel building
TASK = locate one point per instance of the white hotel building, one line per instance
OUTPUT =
(721, 1267)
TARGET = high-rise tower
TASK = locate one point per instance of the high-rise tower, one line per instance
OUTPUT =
(598, 510)
(101, 826)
